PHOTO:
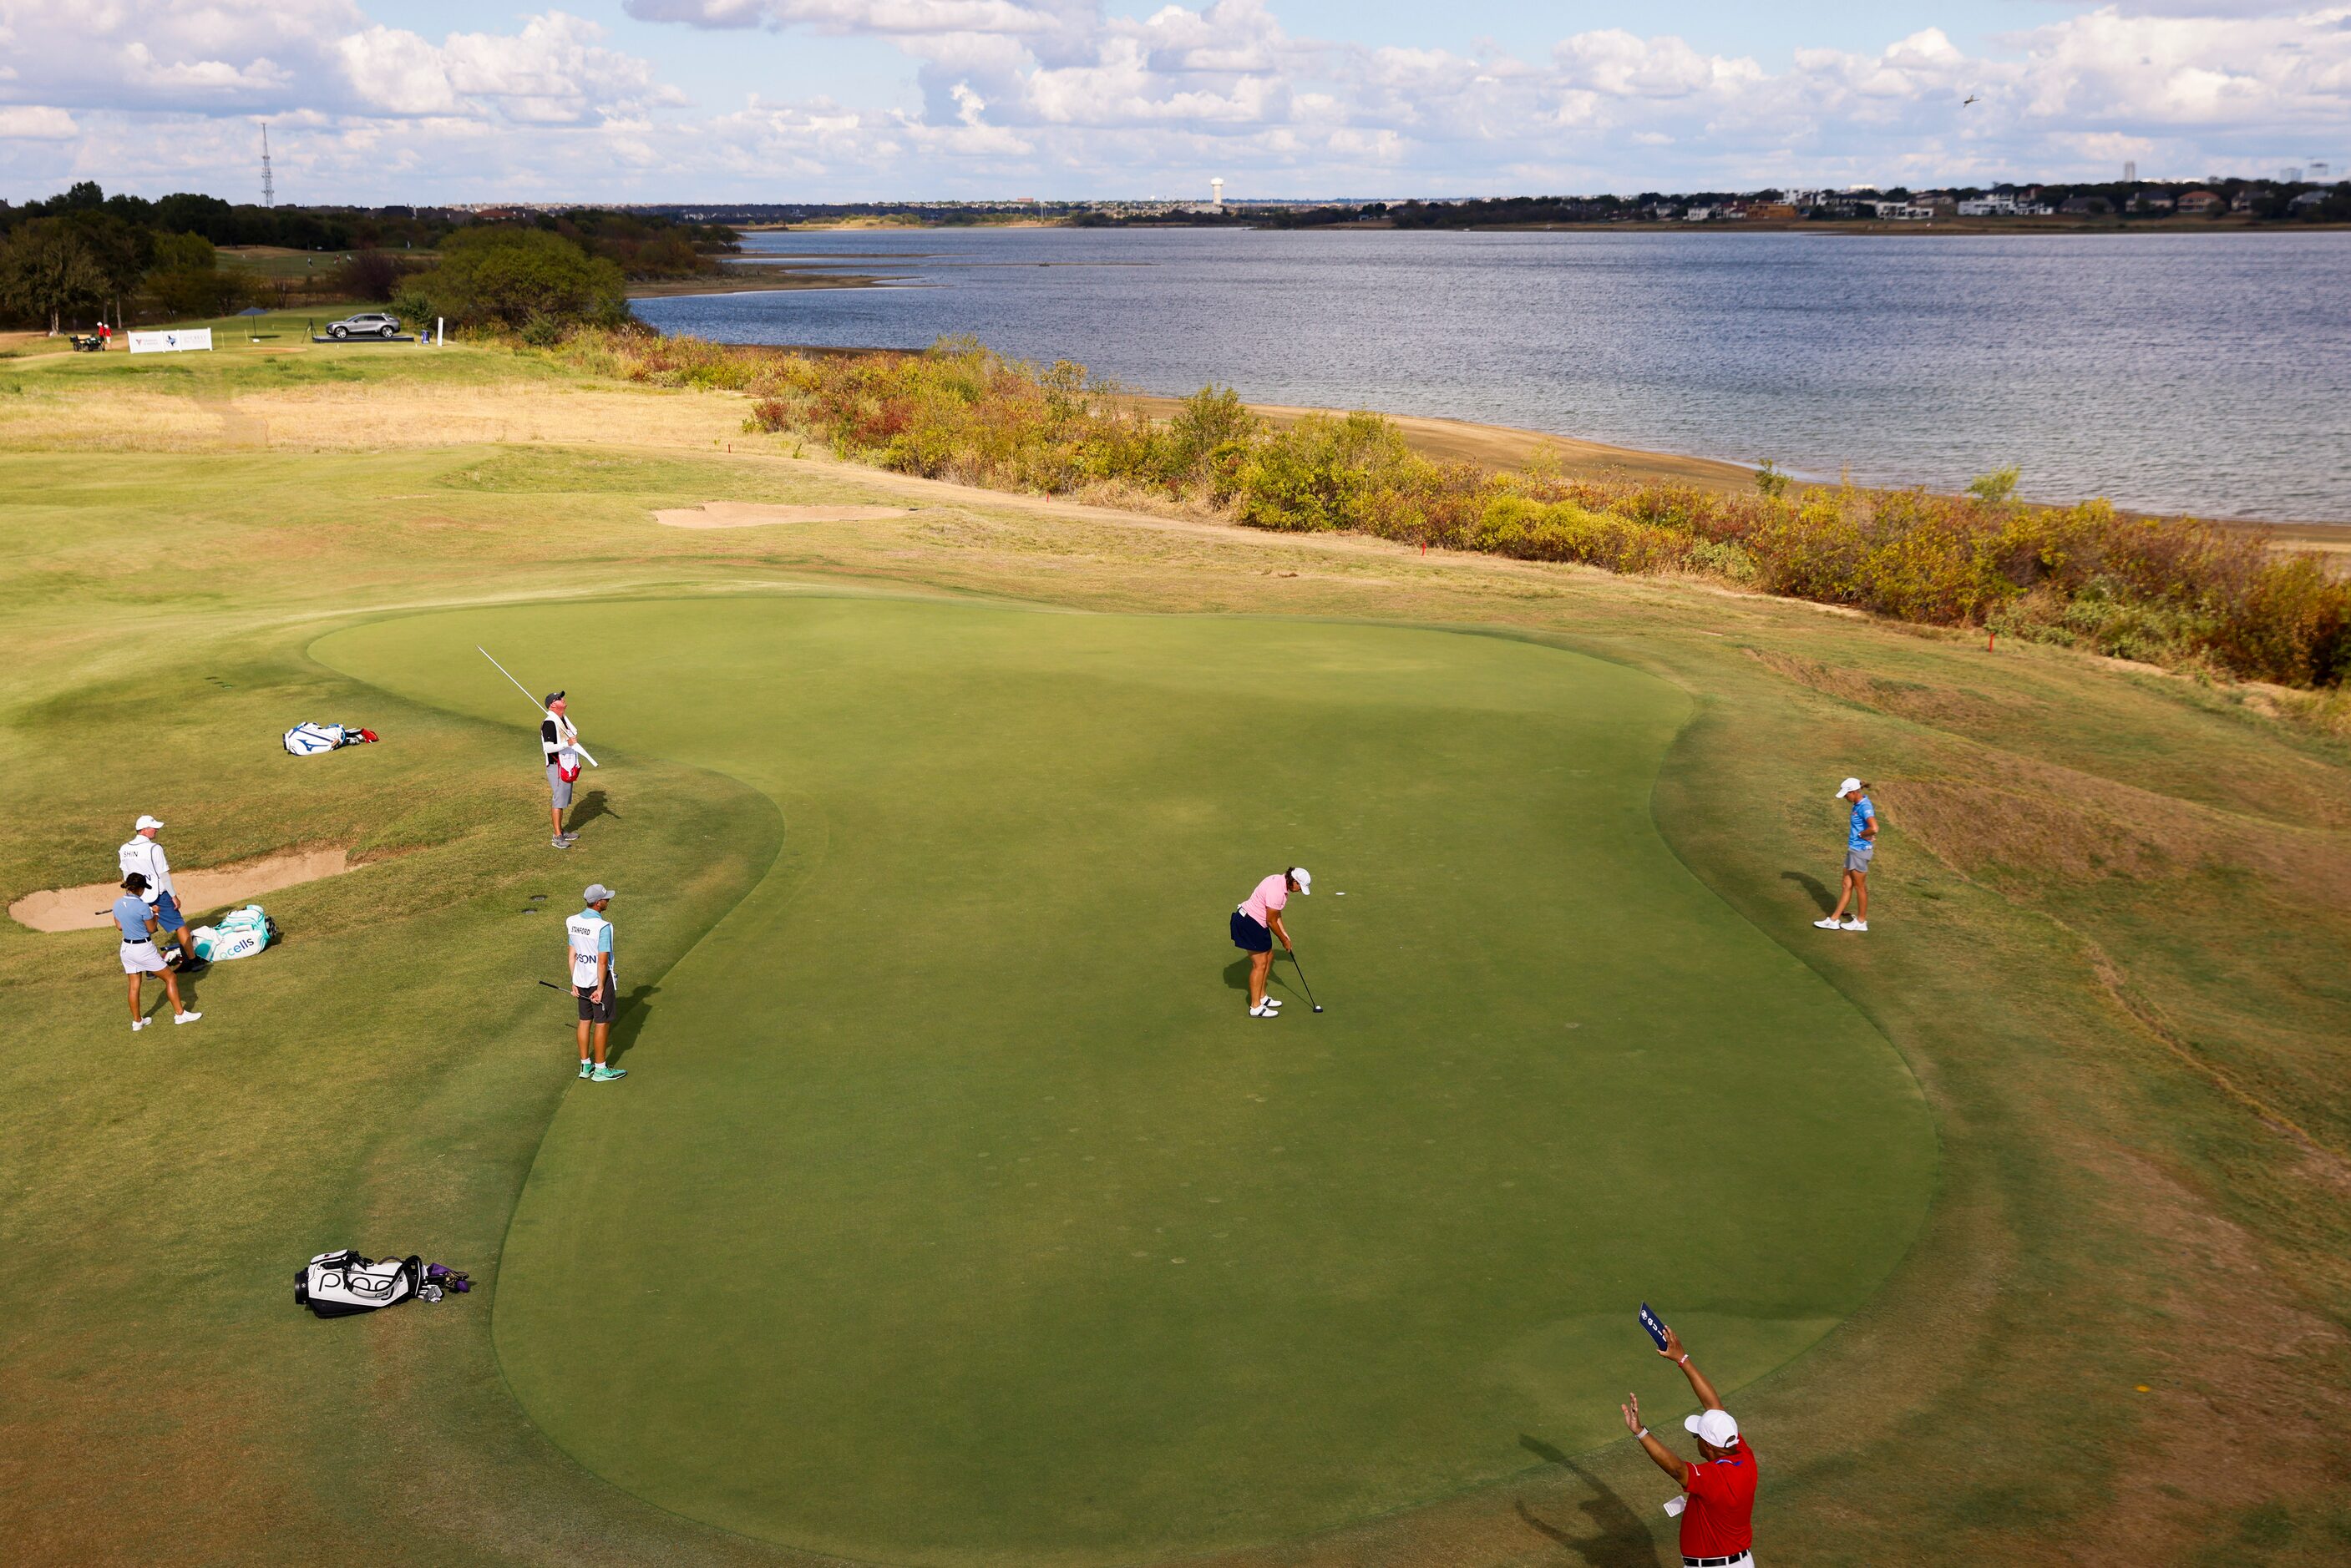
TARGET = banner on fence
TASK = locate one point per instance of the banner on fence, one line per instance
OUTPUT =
(171, 342)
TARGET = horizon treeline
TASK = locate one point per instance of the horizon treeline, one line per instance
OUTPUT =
(82, 255)
(2183, 594)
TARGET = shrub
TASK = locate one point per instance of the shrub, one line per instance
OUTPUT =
(373, 275)
(2185, 594)
(508, 277)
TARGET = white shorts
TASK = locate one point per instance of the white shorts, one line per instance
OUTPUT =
(140, 957)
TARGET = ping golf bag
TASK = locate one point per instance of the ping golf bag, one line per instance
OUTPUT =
(338, 1284)
(309, 739)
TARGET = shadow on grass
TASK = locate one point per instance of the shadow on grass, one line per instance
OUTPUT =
(629, 1022)
(1614, 1536)
(1813, 885)
(591, 805)
(1236, 977)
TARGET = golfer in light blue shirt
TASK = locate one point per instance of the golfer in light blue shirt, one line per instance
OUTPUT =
(136, 920)
(1860, 845)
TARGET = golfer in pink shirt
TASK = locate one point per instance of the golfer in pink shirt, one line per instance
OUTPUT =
(1258, 921)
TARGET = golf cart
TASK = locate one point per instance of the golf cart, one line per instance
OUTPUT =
(366, 324)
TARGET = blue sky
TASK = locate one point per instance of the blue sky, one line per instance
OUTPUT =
(372, 101)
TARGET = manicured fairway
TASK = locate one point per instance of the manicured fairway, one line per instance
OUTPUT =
(954, 1211)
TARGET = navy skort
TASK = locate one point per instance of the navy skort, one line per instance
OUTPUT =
(1251, 937)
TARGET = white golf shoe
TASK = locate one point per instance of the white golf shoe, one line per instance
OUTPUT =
(186, 1017)
(1855, 926)
(1831, 924)
(1262, 1010)
(139, 1024)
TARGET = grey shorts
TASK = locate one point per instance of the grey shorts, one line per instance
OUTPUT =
(560, 785)
(1858, 860)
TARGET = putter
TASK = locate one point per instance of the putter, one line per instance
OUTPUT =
(552, 986)
(534, 701)
(1301, 979)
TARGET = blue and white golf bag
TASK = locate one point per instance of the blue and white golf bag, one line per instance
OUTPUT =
(309, 739)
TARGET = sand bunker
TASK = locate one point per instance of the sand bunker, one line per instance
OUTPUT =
(85, 909)
(753, 514)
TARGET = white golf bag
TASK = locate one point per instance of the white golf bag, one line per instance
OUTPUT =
(338, 1284)
(309, 739)
(240, 933)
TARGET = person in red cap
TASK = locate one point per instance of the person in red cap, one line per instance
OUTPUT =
(1718, 1492)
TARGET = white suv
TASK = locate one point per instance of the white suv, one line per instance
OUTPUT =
(366, 324)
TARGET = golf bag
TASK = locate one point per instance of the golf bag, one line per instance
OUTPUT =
(240, 933)
(309, 739)
(339, 1285)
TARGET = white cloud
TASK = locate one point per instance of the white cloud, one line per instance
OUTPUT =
(1015, 93)
(36, 122)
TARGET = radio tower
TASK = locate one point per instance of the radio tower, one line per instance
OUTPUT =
(269, 186)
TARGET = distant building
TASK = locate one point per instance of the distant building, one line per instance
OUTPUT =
(2151, 201)
(1697, 214)
(2244, 200)
(1904, 212)
(2082, 206)
(2000, 206)
(1780, 210)
(2308, 202)
(2200, 201)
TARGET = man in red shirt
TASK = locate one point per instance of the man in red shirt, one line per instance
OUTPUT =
(1717, 1520)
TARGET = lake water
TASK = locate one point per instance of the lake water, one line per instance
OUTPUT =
(2206, 373)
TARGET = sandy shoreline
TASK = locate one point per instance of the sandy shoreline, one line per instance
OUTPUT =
(1508, 446)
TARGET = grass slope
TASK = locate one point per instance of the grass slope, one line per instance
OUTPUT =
(2106, 906)
(960, 1213)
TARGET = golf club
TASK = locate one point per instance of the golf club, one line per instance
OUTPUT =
(552, 986)
(1301, 979)
(534, 701)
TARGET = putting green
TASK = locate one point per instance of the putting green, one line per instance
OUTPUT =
(953, 1210)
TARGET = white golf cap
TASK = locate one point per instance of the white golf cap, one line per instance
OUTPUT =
(1714, 1426)
(1847, 787)
(1304, 878)
(143, 824)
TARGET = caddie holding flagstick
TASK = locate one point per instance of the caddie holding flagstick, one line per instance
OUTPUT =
(559, 743)
(558, 738)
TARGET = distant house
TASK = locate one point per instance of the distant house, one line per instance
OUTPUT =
(2151, 201)
(2243, 202)
(1942, 206)
(1772, 210)
(2200, 201)
(2308, 202)
(1697, 214)
(1904, 212)
(2082, 206)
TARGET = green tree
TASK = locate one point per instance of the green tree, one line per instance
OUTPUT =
(47, 271)
(514, 276)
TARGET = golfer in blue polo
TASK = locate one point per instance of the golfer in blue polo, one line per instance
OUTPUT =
(1860, 845)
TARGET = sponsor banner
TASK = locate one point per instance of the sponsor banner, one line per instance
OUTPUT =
(171, 342)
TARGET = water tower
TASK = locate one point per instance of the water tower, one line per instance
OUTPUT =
(1215, 195)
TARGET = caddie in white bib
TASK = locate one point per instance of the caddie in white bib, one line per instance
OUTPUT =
(588, 941)
(590, 933)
